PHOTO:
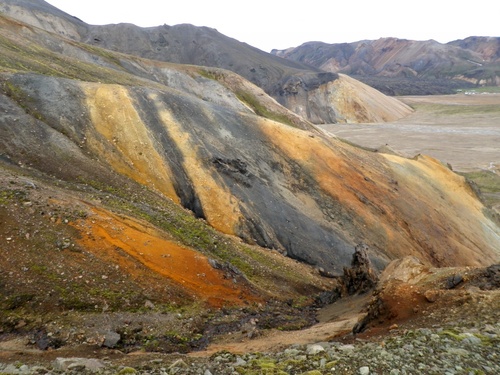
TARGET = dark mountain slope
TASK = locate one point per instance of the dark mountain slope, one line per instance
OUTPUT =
(306, 90)
(429, 66)
(199, 142)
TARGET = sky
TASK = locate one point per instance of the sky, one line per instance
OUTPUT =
(277, 24)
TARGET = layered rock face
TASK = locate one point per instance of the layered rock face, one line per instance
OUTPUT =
(219, 146)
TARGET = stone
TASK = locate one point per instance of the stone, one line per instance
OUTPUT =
(111, 339)
(453, 281)
(240, 362)
(64, 364)
(431, 295)
(178, 364)
(315, 349)
(39, 370)
(361, 277)
(365, 370)
(346, 348)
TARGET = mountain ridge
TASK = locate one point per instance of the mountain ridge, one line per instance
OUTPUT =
(292, 84)
(470, 62)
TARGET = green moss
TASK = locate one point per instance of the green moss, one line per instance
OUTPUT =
(16, 301)
(487, 89)
(23, 100)
(210, 74)
(27, 57)
(452, 334)
(127, 370)
(474, 371)
(8, 196)
(260, 268)
(248, 98)
(487, 181)
(331, 365)
(350, 143)
(107, 55)
(444, 110)
(261, 110)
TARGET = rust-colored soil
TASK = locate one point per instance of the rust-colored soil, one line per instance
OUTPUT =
(119, 238)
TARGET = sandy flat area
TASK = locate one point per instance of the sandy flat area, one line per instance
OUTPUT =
(462, 130)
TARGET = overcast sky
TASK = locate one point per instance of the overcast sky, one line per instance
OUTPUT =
(268, 24)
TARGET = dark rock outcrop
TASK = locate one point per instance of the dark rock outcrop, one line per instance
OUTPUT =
(361, 277)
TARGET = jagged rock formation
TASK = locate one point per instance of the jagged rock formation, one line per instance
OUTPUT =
(394, 65)
(408, 289)
(361, 277)
(308, 91)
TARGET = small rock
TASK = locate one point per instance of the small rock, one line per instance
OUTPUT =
(10, 369)
(24, 369)
(453, 281)
(127, 371)
(365, 370)
(39, 370)
(471, 339)
(346, 348)
(315, 349)
(178, 364)
(240, 362)
(111, 339)
(291, 352)
(77, 367)
(431, 295)
(63, 364)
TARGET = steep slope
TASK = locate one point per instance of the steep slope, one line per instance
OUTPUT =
(306, 195)
(393, 61)
(289, 82)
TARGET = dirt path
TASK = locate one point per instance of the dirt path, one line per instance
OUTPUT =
(334, 320)
(462, 130)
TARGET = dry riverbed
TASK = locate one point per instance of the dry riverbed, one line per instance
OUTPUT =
(462, 130)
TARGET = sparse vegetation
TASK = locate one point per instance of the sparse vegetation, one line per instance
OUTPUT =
(262, 110)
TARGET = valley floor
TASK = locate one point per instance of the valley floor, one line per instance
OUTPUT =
(462, 130)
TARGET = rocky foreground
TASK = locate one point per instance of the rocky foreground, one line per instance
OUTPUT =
(458, 348)
(418, 320)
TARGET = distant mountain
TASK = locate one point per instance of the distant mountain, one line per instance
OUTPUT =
(399, 66)
(306, 90)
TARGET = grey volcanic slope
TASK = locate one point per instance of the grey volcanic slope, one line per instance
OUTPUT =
(184, 44)
(216, 144)
(308, 91)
